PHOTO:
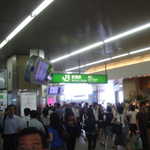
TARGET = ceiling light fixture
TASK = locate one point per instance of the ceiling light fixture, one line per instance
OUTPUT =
(98, 44)
(110, 58)
(77, 52)
(139, 51)
(89, 64)
(2, 44)
(119, 56)
(41, 7)
(26, 21)
(127, 33)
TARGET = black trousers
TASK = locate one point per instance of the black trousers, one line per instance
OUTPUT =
(91, 141)
(58, 148)
(144, 138)
(10, 142)
(133, 129)
(71, 143)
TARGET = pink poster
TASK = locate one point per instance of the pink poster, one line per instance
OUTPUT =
(51, 100)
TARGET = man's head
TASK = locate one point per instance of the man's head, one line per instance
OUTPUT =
(11, 110)
(31, 139)
(27, 111)
(34, 114)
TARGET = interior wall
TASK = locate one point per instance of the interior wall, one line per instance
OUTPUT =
(130, 88)
(139, 86)
(128, 71)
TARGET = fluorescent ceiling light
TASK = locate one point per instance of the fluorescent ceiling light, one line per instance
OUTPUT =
(26, 21)
(98, 44)
(110, 58)
(89, 64)
(96, 62)
(127, 33)
(139, 51)
(77, 52)
(74, 68)
(41, 7)
(119, 56)
(60, 58)
(2, 44)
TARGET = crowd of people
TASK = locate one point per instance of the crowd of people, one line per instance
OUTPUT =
(58, 127)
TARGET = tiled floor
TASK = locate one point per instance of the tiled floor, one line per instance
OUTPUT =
(84, 146)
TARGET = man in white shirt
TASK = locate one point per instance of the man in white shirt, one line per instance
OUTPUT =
(26, 117)
(11, 124)
(34, 122)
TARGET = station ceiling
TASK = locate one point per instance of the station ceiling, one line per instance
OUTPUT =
(67, 25)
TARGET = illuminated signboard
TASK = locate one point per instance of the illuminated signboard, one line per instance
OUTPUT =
(53, 90)
(41, 71)
(77, 78)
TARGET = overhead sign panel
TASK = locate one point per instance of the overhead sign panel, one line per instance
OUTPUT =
(77, 78)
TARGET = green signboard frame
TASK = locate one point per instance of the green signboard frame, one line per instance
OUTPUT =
(78, 78)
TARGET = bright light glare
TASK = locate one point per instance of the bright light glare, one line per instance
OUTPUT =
(2, 44)
(41, 7)
(98, 44)
(60, 58)
(26, 21)
(139, 51)
(77, 91)
(107, 93)
(119, 56)
(110, 58)
(120, 96)
(77, 52)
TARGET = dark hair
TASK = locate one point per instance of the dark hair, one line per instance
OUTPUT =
(45, 112)
(11, 105)
(56, 123)
(132, 107)
(33, 114)
(31, 131)
(27, 111)
(54, 120)
(57, 105)
(109, 109)
(90, 115)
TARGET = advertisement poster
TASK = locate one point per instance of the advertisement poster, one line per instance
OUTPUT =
(28, 100)
(3, 101)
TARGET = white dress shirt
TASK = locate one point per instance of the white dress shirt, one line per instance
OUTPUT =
(12, 124)
(37, 124)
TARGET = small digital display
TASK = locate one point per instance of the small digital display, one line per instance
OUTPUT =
(41, 71)
(53, 90)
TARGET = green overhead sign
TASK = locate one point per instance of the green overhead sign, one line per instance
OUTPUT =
(77, 78)
(1, 96)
